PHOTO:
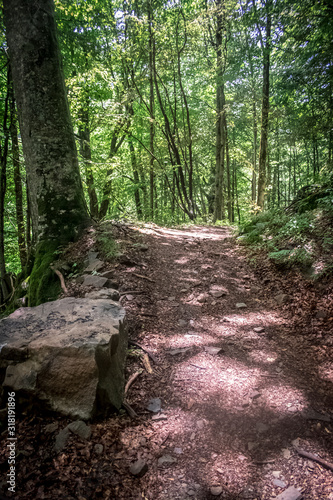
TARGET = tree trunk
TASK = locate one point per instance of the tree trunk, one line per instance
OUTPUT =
(58, 208)
(151, 107)
(220, 116)
(17, 183)
(136, 179)
(4, 291)
(264, 112)
(85, 152)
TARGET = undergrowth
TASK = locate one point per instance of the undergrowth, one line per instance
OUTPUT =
(295, 238)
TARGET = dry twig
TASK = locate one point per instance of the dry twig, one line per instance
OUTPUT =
(131, 380)
(311, 456)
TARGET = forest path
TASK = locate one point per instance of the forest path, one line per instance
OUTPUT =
(234, 400)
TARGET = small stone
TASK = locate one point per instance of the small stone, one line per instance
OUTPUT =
(290, 494)
(261, 427)
(98, 449)
(182, 322)
(321, 314)
(139, 468)
(279, 483)
(213, 350)
(80, 429)
(178, 451)
(241, 305)
(217, 293)
(61, 440)
(191, 493)
(129, 297)
(50, 428)
(259, 329)
(182, 350)
(276, 473)
(171, 299)
(95, 265)
(216, 490)
(286, 453)
(166, 460)
(104, 293)
(95, 281)
(154, 405)
(281, 298)
(200, 424)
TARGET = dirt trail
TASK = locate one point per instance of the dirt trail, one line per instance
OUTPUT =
(235, 401)
(232, 415)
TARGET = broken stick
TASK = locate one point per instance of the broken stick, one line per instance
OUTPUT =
(131, 380)
(311, 456)
(129, 409)
(62, 281)
(146, 364)
(136, 344)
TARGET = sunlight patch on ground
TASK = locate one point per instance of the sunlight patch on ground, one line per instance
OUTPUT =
(198, 232)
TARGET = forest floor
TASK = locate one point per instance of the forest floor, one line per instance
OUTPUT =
(243, 389)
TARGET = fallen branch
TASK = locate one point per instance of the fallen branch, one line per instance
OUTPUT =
(197, 366)
(311, 456)
(152, 357)
(133, 292)
(62, 281)
(131, 380)
(143, 277)
(129, 409)
(145, 361)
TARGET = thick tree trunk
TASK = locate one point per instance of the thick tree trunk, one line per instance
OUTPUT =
(58, 207)
(264, 113)
(136, 177)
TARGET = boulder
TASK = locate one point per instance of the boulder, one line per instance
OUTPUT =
(68, 354)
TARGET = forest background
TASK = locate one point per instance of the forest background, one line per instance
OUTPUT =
(205, 111)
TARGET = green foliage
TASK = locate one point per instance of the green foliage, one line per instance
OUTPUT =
(106, 244)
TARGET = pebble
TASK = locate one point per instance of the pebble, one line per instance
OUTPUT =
(216, 490)
(139, 468)
(259, 329)
(241, 305)
(290, 494)
(80, 429)
(154, 405)
(98, 449)
(166, 459)
(279, 483)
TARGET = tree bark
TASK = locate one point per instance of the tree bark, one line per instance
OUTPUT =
(264, 112)
(17, 182)
(57, 204)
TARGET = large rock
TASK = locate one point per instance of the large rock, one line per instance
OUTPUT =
(69, 354)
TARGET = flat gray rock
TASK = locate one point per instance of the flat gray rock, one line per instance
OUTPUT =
(67, 355)
(94, 265)
(154, 405)
(80, 429)
(241, 305)
(95, 281)
(214, 351)
(61, 440)
(281, 298)
(259, 329)
(166, 460)
(290, 494)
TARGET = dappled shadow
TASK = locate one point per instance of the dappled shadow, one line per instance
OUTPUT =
(251, 399)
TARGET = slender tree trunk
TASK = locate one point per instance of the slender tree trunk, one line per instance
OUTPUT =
(220, 115)
(151, 107)
(85, 152)
(4, 291)
(265, 111)
(255, 138)
(58, 208)
(17, 183)
(136, 179)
